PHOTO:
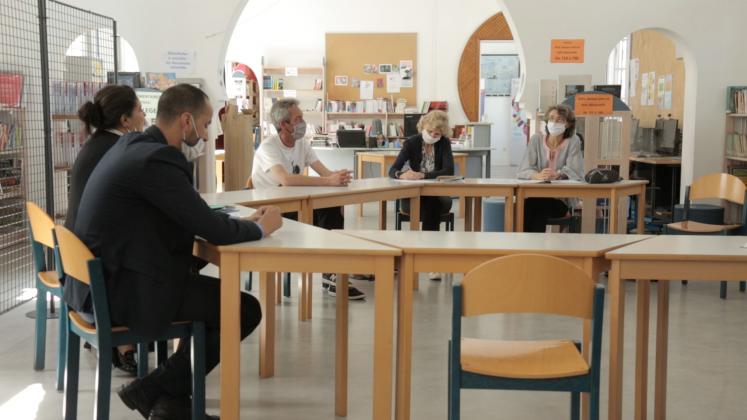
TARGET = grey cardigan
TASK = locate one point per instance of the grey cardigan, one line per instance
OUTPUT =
(569, 161)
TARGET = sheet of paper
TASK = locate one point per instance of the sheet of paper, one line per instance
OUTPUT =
(406, 73)
(635, 65)
(291, 71)
(393, 83)
(367, 89)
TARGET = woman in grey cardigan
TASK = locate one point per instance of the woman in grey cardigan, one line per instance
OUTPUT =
(555, 154)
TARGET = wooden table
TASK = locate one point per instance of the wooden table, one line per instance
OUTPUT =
(460, 252)
(472, 192)
(589, 193)
(385, 160)
(300, 247)
(664, 258)
(288, 199)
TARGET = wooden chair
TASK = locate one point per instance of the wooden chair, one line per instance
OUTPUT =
(287, 278)
(526, 283)
(719, 186)
(79, 263)
(47, 282)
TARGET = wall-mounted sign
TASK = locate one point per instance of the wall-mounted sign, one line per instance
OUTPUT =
(567, 51)
(594, 104)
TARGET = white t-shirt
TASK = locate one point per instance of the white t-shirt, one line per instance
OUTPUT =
(273, 152)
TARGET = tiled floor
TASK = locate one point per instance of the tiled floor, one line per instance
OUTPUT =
(707, 370)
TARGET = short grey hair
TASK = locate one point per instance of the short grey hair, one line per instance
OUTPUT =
(280, 110)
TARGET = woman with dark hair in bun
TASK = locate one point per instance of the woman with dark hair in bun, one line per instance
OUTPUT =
(115, 111)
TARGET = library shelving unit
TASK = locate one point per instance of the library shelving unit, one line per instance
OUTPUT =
(12, 193)
(735, 156)
(367, 118)
(306, 84)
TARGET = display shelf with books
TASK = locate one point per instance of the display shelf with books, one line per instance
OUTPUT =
(735, 155)
(304, 83)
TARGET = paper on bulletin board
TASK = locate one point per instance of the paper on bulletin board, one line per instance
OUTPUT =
(567, 51)
(644, 89)
(651, 89)
(660, 89)
(635, 65)
(668, 92)
(393, 82)
(367, 89)
(291, 71)
(406, 72)
(593, 104)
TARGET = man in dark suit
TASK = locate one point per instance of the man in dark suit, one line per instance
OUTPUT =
(140, 213)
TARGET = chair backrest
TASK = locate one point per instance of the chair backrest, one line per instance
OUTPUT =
(249, 184)
(41, 225)
(528, 283)
(718, 186)
(78, 262)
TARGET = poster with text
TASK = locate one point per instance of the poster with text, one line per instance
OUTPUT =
(406, 73)
(367, 89)
(393, 83)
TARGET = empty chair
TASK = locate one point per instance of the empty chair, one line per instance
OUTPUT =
(708, 187)
(79, 263)
(526, 283)
(47, 281)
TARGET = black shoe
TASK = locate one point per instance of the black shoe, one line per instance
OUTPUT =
(368, 277)
(174, 408)
(353, 293)
(328, 279)
(140, 395)
(125, 362)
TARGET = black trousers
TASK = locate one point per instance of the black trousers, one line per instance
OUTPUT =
(329, 218)
(202, 303)
(538, 210)
(431, 209)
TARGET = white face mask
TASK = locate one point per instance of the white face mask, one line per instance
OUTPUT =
(299, 131)
(555, 128)
(191, 153)
(428, 139)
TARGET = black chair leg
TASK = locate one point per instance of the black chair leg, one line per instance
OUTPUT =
(723, 290)
(287, 285)
(742, 286)
(248, 283)
(684, 282)
(575, 405)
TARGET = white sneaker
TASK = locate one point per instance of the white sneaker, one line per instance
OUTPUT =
(434, 276)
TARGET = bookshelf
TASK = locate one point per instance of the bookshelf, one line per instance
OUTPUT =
(735, 148)
(305, 84)
(12, 153)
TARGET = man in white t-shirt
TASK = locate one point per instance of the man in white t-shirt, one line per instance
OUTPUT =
(280, 161)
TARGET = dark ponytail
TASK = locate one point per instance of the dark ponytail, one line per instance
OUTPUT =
(108, 107)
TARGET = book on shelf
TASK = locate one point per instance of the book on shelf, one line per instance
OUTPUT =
(736, 141)
(68, 97)
(434, 105)
(10, 136)
(318, 84)
(11, 89)
(369, 106)
(273, 83)
(736, 99)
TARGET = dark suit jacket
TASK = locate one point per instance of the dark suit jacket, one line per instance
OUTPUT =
(412, 151)
(93, 150)
(140, 213)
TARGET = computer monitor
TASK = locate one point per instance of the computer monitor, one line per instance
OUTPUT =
(411, 124)
(351, 138)
(614, 90)
(666, 136)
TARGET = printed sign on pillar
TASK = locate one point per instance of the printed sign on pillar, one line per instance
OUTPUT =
(567, 51)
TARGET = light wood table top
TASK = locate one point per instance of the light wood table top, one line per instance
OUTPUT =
(257, 197)
(417, 242)
(581, 185)
(685, 247)
(658, 160)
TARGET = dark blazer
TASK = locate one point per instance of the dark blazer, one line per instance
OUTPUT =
(412, 151)
(140, 213)
(93, 150)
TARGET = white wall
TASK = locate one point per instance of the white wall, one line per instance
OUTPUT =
(291, 32)
(710, 37)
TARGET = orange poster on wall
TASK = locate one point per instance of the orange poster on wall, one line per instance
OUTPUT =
(567, 51)
(594, 104)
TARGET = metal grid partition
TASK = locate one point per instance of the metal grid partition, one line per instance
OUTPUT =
(22, 168)
(39, 133)
(81, 52)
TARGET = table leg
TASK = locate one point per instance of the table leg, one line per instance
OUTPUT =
(477, 218)
(278, 288)
(309, 291)
(662, 347)
(382, 215)
(341, 347)
(267, 326)
(653, 192)
(360, 176)
(641, 222)
(617, 326)
(613, 209)
(404, 337)
(415, 213)
(306, 215)
(589, 215)
(383, 307)
(468, 214)
(302, 297)
(641, 349)
(508, 214)
(230, 336)
(519, 211)
(487, 164)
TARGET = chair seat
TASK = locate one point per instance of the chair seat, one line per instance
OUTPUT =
(89, 328)
(522, 359)
(697, 227)
(49, 278)
(403, 213)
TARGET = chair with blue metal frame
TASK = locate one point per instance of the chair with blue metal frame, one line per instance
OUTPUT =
(78, 262)
(47, 282)
(719, 186)
(526, 283)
